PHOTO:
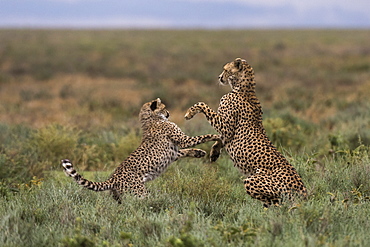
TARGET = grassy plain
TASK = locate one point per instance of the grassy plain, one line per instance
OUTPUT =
(76, 94)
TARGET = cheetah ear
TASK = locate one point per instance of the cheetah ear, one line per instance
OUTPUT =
(239, 63)
(153, 106)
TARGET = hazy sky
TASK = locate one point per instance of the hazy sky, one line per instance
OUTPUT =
(185, 13)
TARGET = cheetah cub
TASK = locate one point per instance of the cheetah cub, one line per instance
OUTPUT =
(162, 143)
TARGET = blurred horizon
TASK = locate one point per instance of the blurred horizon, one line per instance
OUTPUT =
(185, 14)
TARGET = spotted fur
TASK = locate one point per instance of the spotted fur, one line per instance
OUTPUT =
(162, 143)
(269, 176)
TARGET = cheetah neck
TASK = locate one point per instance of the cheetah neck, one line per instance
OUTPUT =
(244, 90)
(242, 87)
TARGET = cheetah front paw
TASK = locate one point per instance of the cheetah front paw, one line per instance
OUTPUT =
(214, 155)
(190, 113)
(199, 153)
(215, 152)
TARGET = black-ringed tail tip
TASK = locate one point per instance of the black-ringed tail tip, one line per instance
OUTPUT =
(66, 163)
(68, 168)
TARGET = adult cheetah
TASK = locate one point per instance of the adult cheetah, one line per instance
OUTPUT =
(162, 143)
(269, 176)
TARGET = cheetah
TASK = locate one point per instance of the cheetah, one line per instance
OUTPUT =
(162, 143)
(269, 176)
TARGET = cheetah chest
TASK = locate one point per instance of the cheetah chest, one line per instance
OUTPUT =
(162, 157)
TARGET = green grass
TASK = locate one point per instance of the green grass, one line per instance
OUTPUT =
(195, 203)
(76, 94)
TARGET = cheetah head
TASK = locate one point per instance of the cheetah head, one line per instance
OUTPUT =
(238, 74)
(154, 109)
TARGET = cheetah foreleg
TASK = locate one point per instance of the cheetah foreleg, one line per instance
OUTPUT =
(224, 127)
(194, 110)
(191, 152)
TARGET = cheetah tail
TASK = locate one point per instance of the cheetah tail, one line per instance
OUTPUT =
(70, 171)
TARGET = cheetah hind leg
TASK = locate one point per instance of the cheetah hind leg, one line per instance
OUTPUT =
(134, 186)
(261, 187)
(117, 195)
(191, 152)
(215, 151)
